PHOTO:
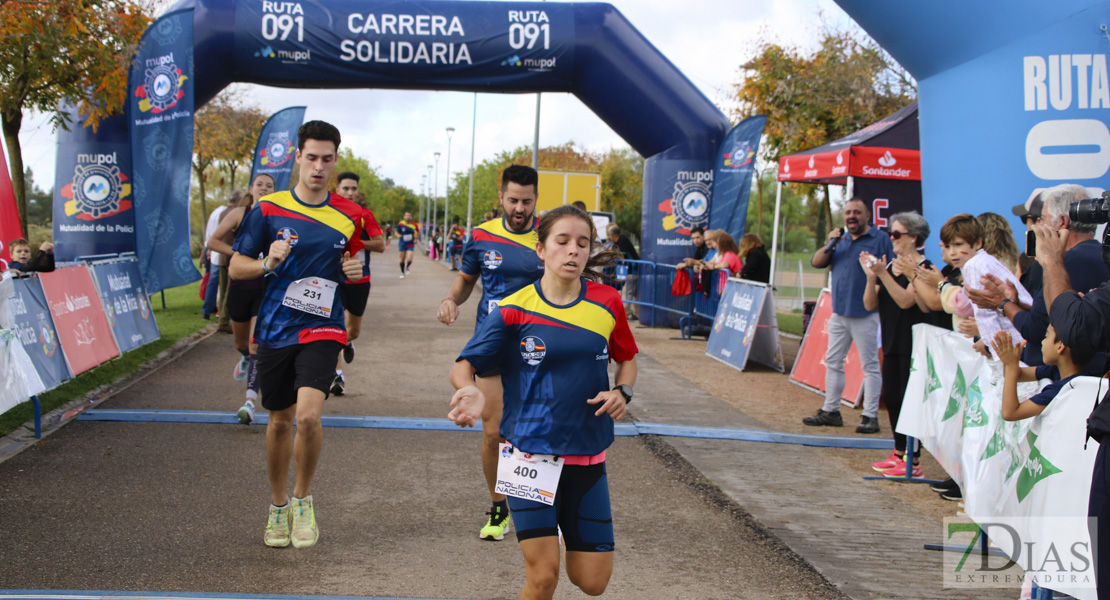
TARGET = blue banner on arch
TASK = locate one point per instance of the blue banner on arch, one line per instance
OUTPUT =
(160, 113)
(33, 325)
(277, 147)
(732, 177)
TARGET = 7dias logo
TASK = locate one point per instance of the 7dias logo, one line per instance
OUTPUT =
(689, 206)
(162, 83)
(278, 151)
(99, 189)
(1054, 552)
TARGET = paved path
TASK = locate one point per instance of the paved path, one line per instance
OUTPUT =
(180, 507)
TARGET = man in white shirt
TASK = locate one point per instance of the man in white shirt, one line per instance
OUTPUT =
(215, 295)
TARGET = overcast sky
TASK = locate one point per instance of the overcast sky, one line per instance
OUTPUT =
(398, 131)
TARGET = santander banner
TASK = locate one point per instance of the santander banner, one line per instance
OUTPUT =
(83, 329)
(857, 161)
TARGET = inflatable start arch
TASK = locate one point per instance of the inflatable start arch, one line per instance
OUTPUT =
(126, 187)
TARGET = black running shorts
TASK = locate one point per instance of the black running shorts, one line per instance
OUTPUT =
(353, 296)
(581, 510)
(243, 303)
(283, 371)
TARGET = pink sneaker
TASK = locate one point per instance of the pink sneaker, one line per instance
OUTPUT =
(889, 463)
(900, 471)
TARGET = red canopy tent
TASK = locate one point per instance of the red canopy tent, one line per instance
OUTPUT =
(880, 163)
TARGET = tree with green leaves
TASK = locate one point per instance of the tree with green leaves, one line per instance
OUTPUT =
(225, 133)
(847, 83)
(58, 54)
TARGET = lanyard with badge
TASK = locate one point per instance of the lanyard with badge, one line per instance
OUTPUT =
(532, 477)
(313, 295)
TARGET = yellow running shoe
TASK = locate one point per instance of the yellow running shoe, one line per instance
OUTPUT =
(277, 527)
(499, 523)
(305, 532)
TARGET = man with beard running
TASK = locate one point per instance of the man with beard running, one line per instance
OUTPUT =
(503, 252)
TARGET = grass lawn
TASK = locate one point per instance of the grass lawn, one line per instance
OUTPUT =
(790, 322)
(180, 318)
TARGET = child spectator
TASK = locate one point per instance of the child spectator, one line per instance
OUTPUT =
(964, 237)
(21, 262)
(1062, 364)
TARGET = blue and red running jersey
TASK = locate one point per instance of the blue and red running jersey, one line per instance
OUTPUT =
(551, 360)
(407, 231)
(506, 260)
(370, 229)
(318, 237)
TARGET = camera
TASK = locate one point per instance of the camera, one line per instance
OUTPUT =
(1091, 210)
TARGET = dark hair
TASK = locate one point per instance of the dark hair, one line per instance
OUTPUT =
(963, 226)
(521, 175)
(1080, 356)
(580, 205)
(866, 206)
(317, 130)
(19, 242)
(596, 261)
(272, 180)
(698, 229)
(614, 228)
(346, 175)
(246, 200)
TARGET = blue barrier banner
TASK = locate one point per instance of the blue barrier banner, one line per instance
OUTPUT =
(160, 113)
(277, 147)
(92, 199)
(745, 326)
(377, 41)
(33, 325)
(125, 303)
(732, 176)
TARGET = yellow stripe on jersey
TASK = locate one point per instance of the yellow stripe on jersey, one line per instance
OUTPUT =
(584, 314)
(497, 227)
(324, 214)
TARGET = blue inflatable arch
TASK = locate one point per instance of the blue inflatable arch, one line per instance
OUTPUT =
(587, 49)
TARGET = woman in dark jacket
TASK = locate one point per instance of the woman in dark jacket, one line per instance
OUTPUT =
(757, 265)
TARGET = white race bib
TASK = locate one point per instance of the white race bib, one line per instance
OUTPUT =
(492, 305)
(528, 476)
(314, 296)
(407, 237)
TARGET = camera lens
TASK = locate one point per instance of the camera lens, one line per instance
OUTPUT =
(1091, 210)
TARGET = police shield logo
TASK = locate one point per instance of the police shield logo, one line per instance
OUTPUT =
(532, 350)
(278, 151)
(288, 234)
(492, 259)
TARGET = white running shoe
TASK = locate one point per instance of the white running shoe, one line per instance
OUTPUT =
(240, 372)
(305, 532)
(246, 413)
(277, 527)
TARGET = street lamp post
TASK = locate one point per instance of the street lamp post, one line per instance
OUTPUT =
(420, 213)
(447, 188)
(435, 201)
(428, 199)
(470, 193)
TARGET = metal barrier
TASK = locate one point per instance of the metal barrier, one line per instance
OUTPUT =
(661, 279)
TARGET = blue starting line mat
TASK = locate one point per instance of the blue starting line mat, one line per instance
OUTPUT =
(93, 595)
(622, 429)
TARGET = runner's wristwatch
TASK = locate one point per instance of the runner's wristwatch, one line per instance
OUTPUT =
(626, 391)
(1001, 305)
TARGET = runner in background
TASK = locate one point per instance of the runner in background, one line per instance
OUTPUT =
(407, 232)
(305, 234)
(455, 241)
(243, 296)
(503, 252)
(355, 293)
(551, 344)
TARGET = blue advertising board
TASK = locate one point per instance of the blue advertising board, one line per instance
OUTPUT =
(125, 303)
(745, 326)
(160, 111)
(33, 325)
(277, 147)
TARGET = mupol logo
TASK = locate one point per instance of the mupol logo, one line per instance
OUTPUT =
(887, 160)
(512, 61)
(98, 188)
(265, 52)
(162, 83)
(278, 151)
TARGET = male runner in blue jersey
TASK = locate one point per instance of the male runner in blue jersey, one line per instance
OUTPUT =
(354, 294)
(503, 252)
(306, 234)
(407, 233)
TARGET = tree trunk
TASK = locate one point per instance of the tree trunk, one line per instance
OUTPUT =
(11, 128)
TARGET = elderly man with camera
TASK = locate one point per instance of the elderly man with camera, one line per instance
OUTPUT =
(1082, 321)
(1082, 262)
